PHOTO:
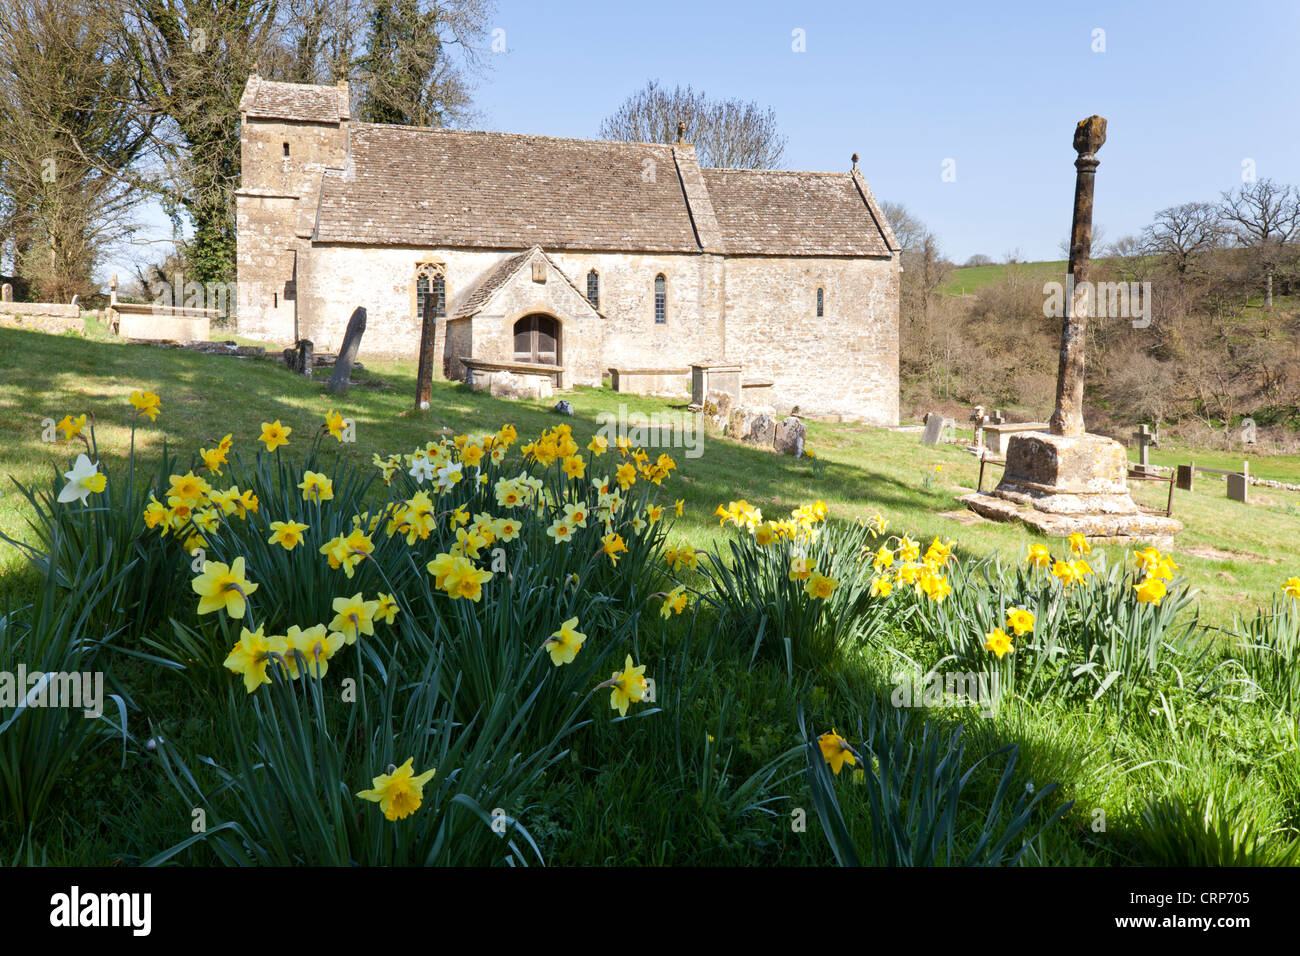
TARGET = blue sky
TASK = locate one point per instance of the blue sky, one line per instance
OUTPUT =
(1190, 90)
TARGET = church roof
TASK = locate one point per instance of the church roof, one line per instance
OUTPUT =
(774, 212)
(433, 187)
(414, 186)
(304, 102)
(499, 276)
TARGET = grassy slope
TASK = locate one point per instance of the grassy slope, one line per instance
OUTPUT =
(970, 280)
(1248, 549)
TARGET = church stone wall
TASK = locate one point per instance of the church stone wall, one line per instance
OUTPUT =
(844, 363)
(272, 222)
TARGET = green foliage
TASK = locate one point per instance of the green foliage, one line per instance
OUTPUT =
(1212, 829)
(914, 792)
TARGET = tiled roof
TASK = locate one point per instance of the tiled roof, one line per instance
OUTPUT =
(433, 187)
(773, 212)
(265, 99)
(500, 275)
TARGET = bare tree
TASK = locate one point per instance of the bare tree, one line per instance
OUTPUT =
(66, 141)
(727, 133)
(1265, 216)
(1181, 236)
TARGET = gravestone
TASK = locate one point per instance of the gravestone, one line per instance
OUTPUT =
(1239, 484)
(6, 293)
(791, 433)
(977, 420)
(934, 426)
(1145, 440)
(998, 417)
(348, 353)
(301, 358)
(1186, 477)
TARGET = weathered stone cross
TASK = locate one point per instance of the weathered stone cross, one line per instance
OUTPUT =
(1145, 440)
(1068, 417)
(978, 419)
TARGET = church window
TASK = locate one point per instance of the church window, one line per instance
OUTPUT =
(593, 289)
(286, 149)
(430, 287)
(821, 303)
(661, 299)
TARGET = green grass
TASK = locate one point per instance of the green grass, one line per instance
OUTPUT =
(714, 777)
(967, 281)
(1236, 554)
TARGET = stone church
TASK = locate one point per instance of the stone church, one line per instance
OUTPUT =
(567, 258)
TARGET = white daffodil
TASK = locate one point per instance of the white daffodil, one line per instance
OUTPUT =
(82, 481)
(421, 468)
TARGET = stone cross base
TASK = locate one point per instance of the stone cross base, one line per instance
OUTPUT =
(1061, 484)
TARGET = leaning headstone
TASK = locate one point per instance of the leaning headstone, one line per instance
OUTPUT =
(348, 353)
(1185, 477)
(753, 424)
(791, 433)
(6, 293)
(934, 423)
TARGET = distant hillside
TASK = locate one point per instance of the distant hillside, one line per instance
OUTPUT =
(970, 280)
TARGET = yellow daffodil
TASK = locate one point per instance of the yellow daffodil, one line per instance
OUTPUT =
(316, 487)
(836, 751)
(223, 587)
(464, 580)
(1020, 620)
(71, 427)
(287, 534)
(1039, 556)
(274, 435)
(399, 792)
(612, 545)
(1079, 544)
(1291, 588)
(565, 643)
(675, 602)
(999, 642)
(1150, 591)
(250, 657)
(146, 403)
(334, 424)
(819, 586)
(354, 617)
(387, 609)
(629, 685)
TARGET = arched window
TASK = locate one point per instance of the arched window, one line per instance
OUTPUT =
(661, 299)
(431, 288)
(821, 303)
(593, 289)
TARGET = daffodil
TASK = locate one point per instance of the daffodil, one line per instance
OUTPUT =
(146, 403)
(1150, 591)
(250, 657)
(274, 435)
(83, 480)
(316, 487)
(308, 650)
(334, 424)
(223, 587)
(387, 610)
(1079, 543)
(999, 642)
(1039, 556)
(354, 617)
(629, 685)
(1020, 620)
(675, 602)
(836, 751)
(464, 580)
(612, 545)
(287, 534)
(565, 643)
(71, 427)
(399, 792)
(1291, 588)
(820, 586)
